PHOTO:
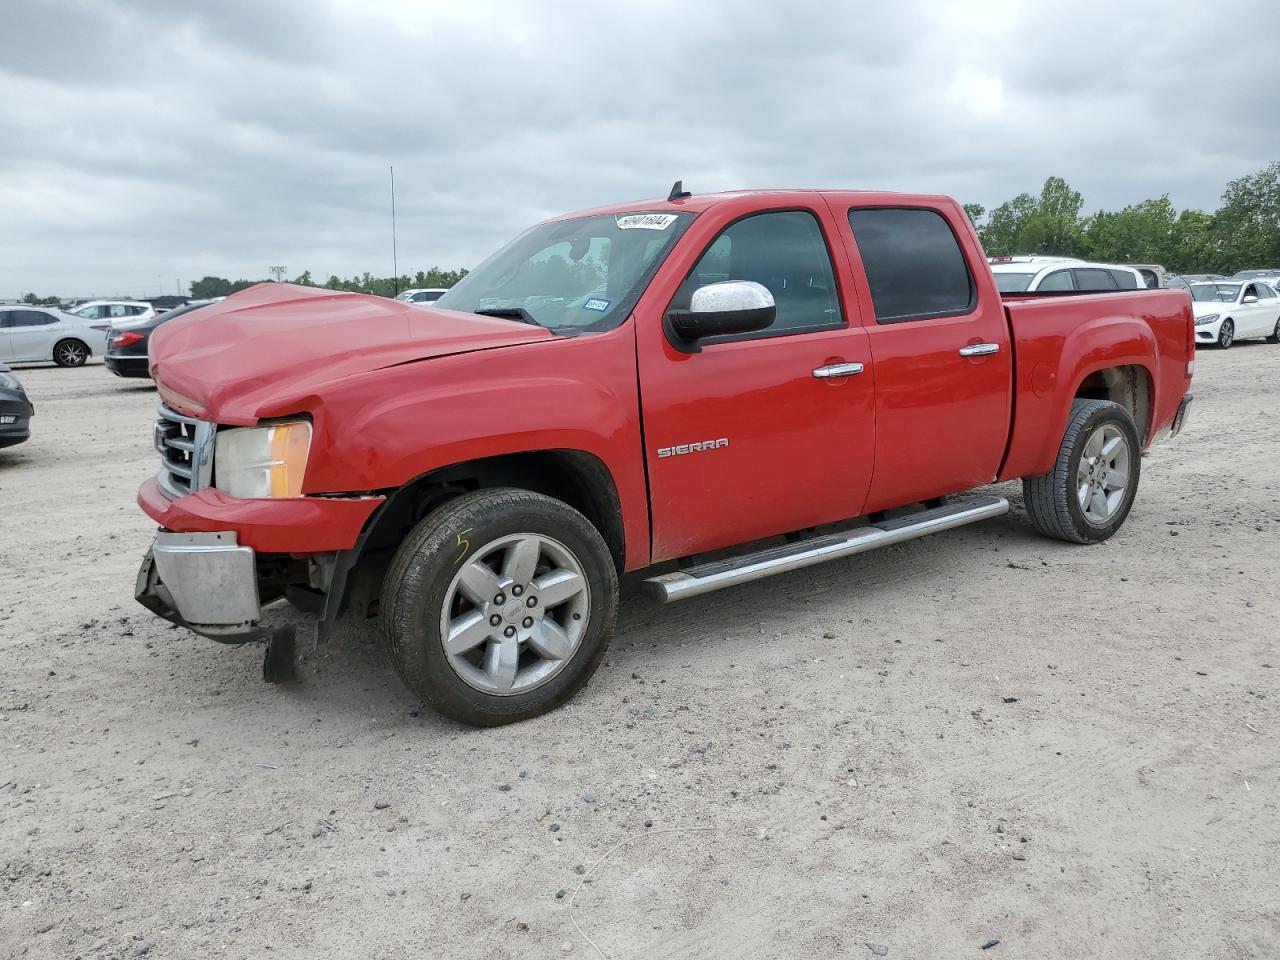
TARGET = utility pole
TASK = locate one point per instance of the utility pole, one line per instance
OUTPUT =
(395, 262)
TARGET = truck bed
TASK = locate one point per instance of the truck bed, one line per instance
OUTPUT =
(1053, 346)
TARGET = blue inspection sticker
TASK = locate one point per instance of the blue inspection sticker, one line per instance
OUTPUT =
(596, 304)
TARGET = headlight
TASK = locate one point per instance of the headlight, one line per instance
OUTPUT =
(1207, 319)
(252, 462)
(9, 382)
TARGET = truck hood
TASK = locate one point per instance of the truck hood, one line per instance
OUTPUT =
(272, 345)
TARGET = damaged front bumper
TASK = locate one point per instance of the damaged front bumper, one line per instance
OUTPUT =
(206, 582)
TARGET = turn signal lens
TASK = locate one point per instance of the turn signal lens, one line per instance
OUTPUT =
(256, 462)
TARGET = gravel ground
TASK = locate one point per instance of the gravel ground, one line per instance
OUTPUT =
(980, 736)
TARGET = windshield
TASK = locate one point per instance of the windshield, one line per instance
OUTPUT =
(571, 276)
(1214, 292)
(1013, 282)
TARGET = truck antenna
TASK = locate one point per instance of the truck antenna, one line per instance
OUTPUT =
(678, 192)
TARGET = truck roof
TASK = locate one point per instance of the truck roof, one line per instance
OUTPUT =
(699, 202)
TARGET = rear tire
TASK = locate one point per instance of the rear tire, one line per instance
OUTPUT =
(1275, 334)
(70, 353)
(461, 617)
(1226, 334)
(1087, 495)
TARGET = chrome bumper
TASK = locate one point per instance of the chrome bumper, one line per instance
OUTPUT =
(204, 581)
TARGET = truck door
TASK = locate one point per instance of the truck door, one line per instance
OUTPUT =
(752, 436)
(943, 357)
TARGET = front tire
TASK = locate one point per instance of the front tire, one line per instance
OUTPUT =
(1087, 495)
(1226, 334)
(499, 606)
(70, 353)
(1275, 333)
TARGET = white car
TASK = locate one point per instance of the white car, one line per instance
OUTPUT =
(45, 333)
(1231, 310)
(1061, 275)
(115, 310)
(422, 295)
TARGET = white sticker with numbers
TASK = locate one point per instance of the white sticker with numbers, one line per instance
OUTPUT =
(645, 221)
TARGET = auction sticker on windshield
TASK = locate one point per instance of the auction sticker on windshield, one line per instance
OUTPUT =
(596, 304)
(645, 221)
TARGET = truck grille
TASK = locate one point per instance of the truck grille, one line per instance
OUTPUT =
(185, 446)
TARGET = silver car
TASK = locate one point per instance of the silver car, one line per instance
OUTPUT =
(45, 333)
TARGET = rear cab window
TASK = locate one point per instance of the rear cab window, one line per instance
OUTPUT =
(913, 262)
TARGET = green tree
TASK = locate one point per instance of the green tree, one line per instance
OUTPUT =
(1047, 224)
(1248, 222)
(1143, 232)
(974, 212)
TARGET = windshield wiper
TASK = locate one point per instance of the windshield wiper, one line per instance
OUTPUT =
(508, 313)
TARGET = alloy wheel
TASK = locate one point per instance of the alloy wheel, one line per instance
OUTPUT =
(515, 613)
(1103, 474)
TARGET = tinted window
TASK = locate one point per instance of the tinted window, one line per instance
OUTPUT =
(30, 318)
(1127, 281)
(6, 318)
(1091, 278)
(1058, 280)
(427, 297)
(913, 263)
(786, 252)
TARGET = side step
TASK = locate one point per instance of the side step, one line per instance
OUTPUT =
(707, 577)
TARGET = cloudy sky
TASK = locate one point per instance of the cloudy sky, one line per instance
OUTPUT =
(145, 144)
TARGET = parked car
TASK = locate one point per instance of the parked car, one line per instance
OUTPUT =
(1227, 311)
(422, 295)
(717, 372)
(115, 310)
(1176, 282)
(29, 334)
(15, 409)
(1197, 277)
(1153, 275)
(1061, 275)
(127, 342)
(1267, 274)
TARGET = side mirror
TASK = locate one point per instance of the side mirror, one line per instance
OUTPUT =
(719, 309)
(1250, 299)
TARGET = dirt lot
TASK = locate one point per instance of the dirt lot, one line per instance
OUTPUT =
(984, 735)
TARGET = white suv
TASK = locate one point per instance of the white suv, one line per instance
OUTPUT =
(1061, 275)
(114, 310)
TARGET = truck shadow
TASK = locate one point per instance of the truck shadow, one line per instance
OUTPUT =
(351, 675)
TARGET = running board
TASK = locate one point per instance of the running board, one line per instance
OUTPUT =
(693, 581)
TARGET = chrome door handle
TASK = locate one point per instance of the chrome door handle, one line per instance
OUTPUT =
(837, 370)
(979, 349)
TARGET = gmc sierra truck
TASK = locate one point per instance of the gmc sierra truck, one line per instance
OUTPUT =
(712, 389)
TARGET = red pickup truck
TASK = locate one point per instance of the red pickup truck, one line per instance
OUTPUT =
(716, 387)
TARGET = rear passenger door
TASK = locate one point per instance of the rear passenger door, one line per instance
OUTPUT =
(942, 353)
(31, 334)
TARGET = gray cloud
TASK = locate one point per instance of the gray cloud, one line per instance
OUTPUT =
(144, 143)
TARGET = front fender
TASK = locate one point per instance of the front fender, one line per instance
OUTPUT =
(382, 430)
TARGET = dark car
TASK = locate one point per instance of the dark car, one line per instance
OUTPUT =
(127, 343)
(15, 410)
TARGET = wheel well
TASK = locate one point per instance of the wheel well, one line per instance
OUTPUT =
(1129, 386)
(579, 479)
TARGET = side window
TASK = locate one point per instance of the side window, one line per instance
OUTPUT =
(1250, 291)
(1057, 281)
(913, 262)
(1265, 292)
(784, 251)
(30, 318)
(1127, 281)
(120, 310)
(431, 296)
(6, 319)
(1092, 278)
